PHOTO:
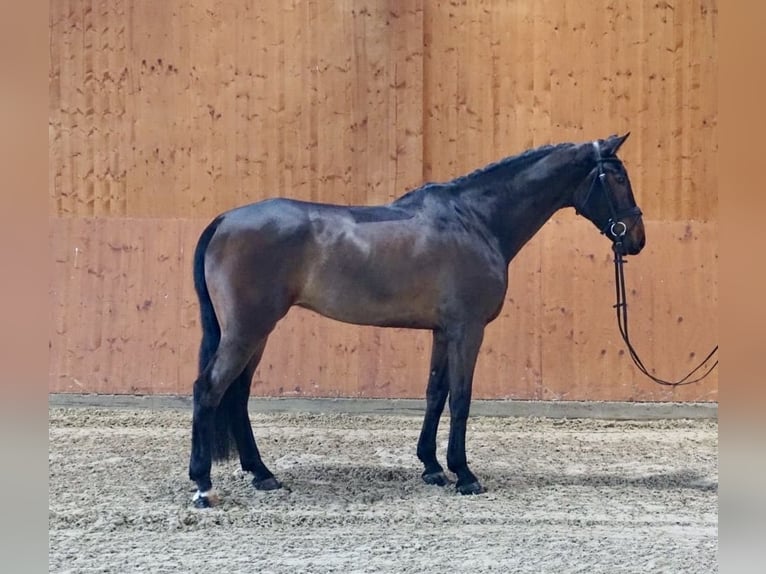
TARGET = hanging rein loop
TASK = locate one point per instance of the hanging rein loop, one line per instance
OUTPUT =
(617, 230)
(621, 307)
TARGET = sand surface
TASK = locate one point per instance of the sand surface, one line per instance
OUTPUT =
(563, 496)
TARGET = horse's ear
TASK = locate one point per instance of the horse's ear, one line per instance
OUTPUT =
(613, 143)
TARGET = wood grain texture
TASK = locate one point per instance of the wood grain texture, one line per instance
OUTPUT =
(177, 109)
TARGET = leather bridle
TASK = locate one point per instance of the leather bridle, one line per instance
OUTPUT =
(614, 227)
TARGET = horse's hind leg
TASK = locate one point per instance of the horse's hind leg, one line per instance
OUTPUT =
(436, 396)
(228, 362)
(249, 456)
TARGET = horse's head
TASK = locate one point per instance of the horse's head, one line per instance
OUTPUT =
(605, 196)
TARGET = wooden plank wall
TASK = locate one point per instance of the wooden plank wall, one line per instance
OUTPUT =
(163, 114)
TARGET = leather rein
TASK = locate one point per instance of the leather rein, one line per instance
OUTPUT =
(617, 230)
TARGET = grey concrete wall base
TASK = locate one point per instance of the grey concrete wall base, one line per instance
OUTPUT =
(415, 407)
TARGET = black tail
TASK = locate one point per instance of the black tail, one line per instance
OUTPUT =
(211, 331)
(211, 337)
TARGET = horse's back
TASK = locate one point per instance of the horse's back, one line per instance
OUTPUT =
(285, 214)
(282, 235)
(277, 214)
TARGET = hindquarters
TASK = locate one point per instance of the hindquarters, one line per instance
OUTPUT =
(254, 267)
(246, 267)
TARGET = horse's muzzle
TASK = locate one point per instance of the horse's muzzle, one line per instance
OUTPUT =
(633, 241)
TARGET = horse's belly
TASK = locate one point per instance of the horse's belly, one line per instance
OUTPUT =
(360, 299)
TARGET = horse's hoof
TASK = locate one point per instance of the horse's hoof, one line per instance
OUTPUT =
(472, 488)
(437, 478)
(270, 483)
(204, 500)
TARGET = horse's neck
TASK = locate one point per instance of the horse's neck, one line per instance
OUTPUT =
(516, 208)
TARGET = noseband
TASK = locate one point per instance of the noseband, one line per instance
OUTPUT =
(613, 226)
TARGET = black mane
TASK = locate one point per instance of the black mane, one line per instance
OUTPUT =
(486, 175)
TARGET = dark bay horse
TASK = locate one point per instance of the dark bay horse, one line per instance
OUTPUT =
(436, 258)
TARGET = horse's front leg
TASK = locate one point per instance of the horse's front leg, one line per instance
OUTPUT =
(436, 397)
(463, 350)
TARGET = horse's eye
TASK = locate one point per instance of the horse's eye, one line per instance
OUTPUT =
(620, 179)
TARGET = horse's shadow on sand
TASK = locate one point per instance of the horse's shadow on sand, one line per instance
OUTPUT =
(340, 478)
(673, 480)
